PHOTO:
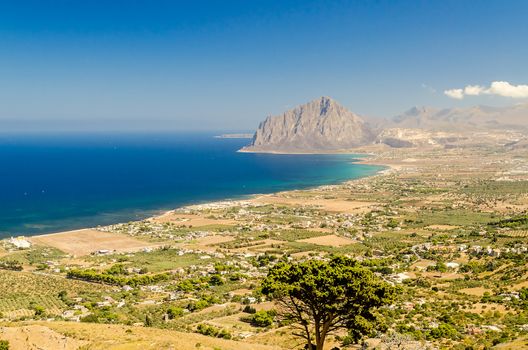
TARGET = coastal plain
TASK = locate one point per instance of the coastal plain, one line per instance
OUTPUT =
(448, 226)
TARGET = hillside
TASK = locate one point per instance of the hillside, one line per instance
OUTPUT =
(447, 226)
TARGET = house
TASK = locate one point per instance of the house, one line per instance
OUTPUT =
(20, 243)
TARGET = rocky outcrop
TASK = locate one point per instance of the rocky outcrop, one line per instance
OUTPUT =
(318, 126)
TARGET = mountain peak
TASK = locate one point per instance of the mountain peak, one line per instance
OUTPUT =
(319, 125)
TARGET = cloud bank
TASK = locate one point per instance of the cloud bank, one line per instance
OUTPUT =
(498, 88)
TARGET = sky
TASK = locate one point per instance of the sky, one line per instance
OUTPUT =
(226, 65)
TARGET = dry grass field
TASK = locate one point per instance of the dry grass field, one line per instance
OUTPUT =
(188, 219)
(70, 336)
(86, 241)
(334, 205)
(330, 240)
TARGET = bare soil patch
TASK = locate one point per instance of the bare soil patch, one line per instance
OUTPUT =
(119, 337)
(35, 337)
(337, 205)
(330, 240)
(86, 241)
(189, 219)
(477, 291)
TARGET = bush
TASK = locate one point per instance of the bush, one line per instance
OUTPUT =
(108, 278)
(213, 331)
(443, 331)
(90, 319)
(216, 280)
(261, 319)
(174, 312)
(117, 269)
(248, 309)
(101, 316)
(12, 265)
(148, 321)
(4, 345)
(39, 310)
(198, 305)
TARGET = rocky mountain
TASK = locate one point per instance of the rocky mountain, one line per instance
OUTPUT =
(319, 125)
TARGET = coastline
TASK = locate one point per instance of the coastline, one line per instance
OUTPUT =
(344, 151)
(254, 199)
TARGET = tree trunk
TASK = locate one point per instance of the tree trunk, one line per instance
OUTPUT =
(320, 344)
(319, 340)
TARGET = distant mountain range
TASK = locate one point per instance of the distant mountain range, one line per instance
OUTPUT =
(324, 125)
(455, 119)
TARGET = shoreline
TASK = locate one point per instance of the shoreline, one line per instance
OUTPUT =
(329, 152)
(253, 198)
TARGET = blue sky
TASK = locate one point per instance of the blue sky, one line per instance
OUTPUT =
(194, 65)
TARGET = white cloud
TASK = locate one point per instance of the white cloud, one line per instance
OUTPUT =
(503, 88)
(455, 93)
(473, 90)
(499, 88)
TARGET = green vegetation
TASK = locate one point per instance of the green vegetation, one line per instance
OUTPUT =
(321, 297)
(12, 265)
(518, 222)
(262, 318)
(212, 331)
(110, 278)
(36, 255)
(450, 236)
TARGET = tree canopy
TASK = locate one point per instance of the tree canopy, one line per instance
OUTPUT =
(319, 297)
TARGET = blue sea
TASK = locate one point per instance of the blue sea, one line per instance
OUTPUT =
(51, 183)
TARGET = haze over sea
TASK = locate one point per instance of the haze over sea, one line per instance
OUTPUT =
(52, 183)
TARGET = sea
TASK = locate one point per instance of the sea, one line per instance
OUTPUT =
(58, 182)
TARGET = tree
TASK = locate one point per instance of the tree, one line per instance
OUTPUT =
(319, 297)
(216, 280)
(148, 321)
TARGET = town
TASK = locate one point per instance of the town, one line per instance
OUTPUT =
(450, 233)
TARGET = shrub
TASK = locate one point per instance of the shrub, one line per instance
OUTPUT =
(443, 331)
(4, 345)
(216, 280)
(39, 310)
(174, 312)
(198, 305)
(108, 278)
(249, 309)
(12, 265)
(261, 319)
(213, 331)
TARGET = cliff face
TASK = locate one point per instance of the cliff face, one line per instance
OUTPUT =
(320, 125)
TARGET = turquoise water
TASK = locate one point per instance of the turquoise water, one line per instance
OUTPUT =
(50, 183)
